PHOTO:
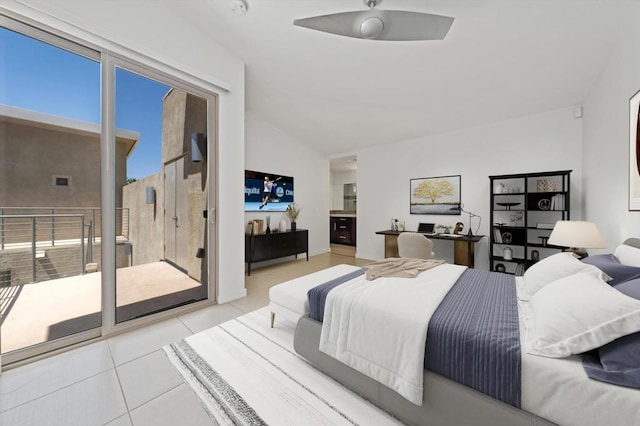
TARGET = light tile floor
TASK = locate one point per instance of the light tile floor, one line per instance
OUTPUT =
(127, 379)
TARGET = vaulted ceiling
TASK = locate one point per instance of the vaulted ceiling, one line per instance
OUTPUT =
(500, 60)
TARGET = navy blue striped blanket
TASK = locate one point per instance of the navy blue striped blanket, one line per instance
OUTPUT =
(473, 337)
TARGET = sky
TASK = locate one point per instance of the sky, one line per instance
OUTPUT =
(43, 78)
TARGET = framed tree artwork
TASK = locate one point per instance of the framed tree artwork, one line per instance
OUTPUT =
(435, 195)
(634, 152)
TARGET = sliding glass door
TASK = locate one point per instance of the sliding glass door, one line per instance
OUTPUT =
(161, 192)
(106, 178)
(50, 192)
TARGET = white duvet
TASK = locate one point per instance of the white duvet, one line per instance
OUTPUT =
(380, 327)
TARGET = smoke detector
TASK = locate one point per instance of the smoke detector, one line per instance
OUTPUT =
(239, 7)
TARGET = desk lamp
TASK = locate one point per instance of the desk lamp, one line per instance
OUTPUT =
(471, 215)
(576, 236)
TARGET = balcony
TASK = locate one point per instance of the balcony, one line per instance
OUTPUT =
(50, 280)
(40, 312)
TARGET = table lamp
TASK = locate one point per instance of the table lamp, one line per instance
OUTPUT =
(576, 235)
(471, 215)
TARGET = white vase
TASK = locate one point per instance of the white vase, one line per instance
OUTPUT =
(507, 253)
(283, 226)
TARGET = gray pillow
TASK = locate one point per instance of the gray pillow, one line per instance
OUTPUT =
(617, 362)
(608, 264)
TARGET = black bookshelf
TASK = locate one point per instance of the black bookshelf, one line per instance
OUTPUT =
(524, 209)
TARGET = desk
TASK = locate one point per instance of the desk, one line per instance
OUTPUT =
(463, 246)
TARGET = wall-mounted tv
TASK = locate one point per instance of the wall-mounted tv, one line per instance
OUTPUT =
(267, 192)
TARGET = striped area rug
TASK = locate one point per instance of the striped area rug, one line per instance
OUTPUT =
(246, 373)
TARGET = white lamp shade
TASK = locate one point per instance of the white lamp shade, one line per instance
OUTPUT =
(575, 233)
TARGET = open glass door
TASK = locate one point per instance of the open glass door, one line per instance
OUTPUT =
(161, 196)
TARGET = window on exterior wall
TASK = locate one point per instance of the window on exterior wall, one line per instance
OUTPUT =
(62, 181)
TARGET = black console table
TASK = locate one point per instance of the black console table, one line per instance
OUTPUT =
(261, 247)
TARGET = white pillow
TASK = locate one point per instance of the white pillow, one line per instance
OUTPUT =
(627, 255)
(576, 314)
(553, 268)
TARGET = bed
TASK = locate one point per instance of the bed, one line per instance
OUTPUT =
(552, 390)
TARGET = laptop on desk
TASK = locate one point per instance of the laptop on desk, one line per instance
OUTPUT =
(427, 228)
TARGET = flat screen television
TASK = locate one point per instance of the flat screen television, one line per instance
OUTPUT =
(267, 192)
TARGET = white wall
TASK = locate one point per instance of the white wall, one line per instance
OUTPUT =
(606, 139)
(144, 26)
(543, 142)
(268, 149)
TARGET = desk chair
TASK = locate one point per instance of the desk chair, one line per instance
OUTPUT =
(416, 246)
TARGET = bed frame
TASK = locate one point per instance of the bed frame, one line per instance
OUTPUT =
(444, 403)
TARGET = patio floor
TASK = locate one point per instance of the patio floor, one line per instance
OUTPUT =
(35, 313)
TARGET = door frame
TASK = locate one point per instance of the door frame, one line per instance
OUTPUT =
(110, 61)
(110, 55)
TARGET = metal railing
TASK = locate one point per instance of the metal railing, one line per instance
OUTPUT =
(52, 231)
(31, 257)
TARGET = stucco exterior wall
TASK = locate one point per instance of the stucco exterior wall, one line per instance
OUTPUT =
(30, 157)
(146, 221)
(183, 114)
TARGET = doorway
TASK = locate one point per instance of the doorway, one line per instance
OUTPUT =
(176, 220)
(343, 213)
(162, 264)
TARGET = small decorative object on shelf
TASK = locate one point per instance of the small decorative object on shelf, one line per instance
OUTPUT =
(445, 229)
(535, 255)
(282, 226)
(508, 205)
(546, 185)
(544, 204)
(501, 268)
(459, 227)
(258, 226)
(507, 253)
(516, 219)
(543, 241)
(268, 230)
(292, 213)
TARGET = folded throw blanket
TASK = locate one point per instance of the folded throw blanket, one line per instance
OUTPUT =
(400, 267)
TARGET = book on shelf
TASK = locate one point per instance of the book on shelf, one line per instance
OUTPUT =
(545, 225)
(497, 236)
(557, 202)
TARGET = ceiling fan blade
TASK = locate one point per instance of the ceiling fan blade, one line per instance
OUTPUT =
(406, 26)
(398, 25)
(344, 24)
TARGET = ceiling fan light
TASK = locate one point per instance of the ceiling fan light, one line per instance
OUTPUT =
(371, 28)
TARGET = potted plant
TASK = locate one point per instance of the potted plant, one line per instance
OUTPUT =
(292, 213)
(445, 228)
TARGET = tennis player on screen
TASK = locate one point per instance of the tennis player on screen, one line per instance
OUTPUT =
(269, 186)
